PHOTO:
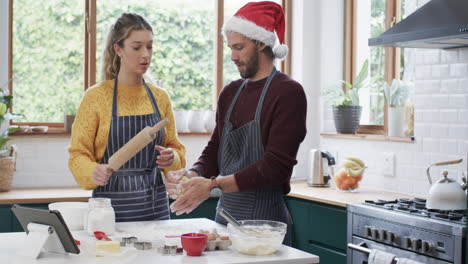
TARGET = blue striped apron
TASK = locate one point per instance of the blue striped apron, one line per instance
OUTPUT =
(136, 190)
(238, 149)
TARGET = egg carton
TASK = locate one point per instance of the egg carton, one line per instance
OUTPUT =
(216, 241)
(218, 244)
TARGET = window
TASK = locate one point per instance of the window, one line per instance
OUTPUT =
(47, 58)
(56, 51)
(366, 19)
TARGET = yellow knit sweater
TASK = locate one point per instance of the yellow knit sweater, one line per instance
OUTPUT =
(91, 128)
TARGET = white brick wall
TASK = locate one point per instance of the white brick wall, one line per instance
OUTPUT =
(43, 160)
(441, 123)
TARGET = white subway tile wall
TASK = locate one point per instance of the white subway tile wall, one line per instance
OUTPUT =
(441, 126)
(43, 160)
(441, 123)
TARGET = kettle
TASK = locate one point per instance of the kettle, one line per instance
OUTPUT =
(446, 193)
(317, 176)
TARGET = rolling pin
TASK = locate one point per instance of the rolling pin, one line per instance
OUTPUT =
(134, 145)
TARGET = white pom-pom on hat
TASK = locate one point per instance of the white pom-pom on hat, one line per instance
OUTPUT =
(280, 51)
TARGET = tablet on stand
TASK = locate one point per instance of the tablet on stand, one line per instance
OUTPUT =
(47, 232)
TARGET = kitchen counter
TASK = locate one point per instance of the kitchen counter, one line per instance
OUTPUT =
(44, 195)
(153, 231)
(299, 189)
(328, 195)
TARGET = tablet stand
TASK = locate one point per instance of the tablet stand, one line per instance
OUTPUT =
(41, 238)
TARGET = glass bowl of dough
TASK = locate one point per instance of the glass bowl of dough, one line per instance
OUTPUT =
(257, 237)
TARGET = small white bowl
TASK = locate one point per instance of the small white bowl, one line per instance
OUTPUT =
(42, 129)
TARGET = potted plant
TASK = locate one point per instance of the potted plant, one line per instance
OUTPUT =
(70, 112)
(7, 152)
(344, 99)
(396, 95)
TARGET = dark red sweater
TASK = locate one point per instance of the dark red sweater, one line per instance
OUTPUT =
(283, 125)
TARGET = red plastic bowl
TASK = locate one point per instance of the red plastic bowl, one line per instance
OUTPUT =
(194, 243)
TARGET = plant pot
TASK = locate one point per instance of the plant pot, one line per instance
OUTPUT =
(196, 123)
(180, 117)
(7, 169)
(68, 122)
(347, 118)
(210, 120)
(396, 121)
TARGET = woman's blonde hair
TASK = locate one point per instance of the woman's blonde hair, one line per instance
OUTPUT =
(118, 32)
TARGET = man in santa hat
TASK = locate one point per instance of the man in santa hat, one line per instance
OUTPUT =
(260, 123)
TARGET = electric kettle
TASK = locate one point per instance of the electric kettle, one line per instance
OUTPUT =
(317, 175)
(446, 193)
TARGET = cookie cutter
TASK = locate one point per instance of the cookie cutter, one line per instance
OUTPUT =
(171, 250)
(143, 245)
(128, 240)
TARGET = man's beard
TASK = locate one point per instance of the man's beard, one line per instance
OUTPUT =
(251, 67)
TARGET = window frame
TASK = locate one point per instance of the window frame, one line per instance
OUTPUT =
(90, 52)
(392, 55)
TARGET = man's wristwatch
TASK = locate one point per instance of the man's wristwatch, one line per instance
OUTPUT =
(215, 188)
(214, 183)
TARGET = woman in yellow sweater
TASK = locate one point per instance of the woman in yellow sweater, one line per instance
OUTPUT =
(114, 111)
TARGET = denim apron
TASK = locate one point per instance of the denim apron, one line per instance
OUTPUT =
(136, 190)
(238, 149)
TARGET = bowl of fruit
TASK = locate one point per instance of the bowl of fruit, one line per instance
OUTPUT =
(349, 174)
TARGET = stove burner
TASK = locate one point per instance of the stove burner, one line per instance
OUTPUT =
(420, 206)
(449, 216)
(404, 200)
(419, 200)
(417, 207)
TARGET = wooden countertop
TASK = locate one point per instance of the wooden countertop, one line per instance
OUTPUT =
(299, 189)
(44, 195)
(328, 195)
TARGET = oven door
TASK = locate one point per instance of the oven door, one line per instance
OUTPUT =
(358, 257)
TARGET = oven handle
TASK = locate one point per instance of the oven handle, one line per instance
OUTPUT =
(362, 247)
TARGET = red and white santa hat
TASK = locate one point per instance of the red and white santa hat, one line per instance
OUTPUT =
(259, 21)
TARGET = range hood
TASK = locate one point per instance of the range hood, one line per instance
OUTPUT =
(437, 24)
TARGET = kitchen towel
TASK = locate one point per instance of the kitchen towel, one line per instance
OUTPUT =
(380, 257)
(408, 261)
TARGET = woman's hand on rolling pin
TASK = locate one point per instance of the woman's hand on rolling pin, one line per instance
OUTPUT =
(101, 174)
(165, 157)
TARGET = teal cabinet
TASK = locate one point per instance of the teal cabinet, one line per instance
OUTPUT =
(8, 221)
(207, 209)
(5, 218)
(319, 229)
(326, 254)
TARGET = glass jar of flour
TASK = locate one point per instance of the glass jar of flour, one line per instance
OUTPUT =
(101, 216)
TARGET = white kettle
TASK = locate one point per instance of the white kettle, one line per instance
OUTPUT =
(446, 193)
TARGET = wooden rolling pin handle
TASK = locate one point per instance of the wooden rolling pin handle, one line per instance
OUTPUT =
(448, 162)
(134, 145)
(157, 127)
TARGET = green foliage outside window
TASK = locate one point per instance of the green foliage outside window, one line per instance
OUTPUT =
(48, 48)
(47, 57)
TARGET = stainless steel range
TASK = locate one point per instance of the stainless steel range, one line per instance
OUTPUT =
(406, 228)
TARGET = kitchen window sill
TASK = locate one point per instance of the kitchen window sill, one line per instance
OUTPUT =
(194, 134)
(51, 131)
(57, 131)
(369, 137)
